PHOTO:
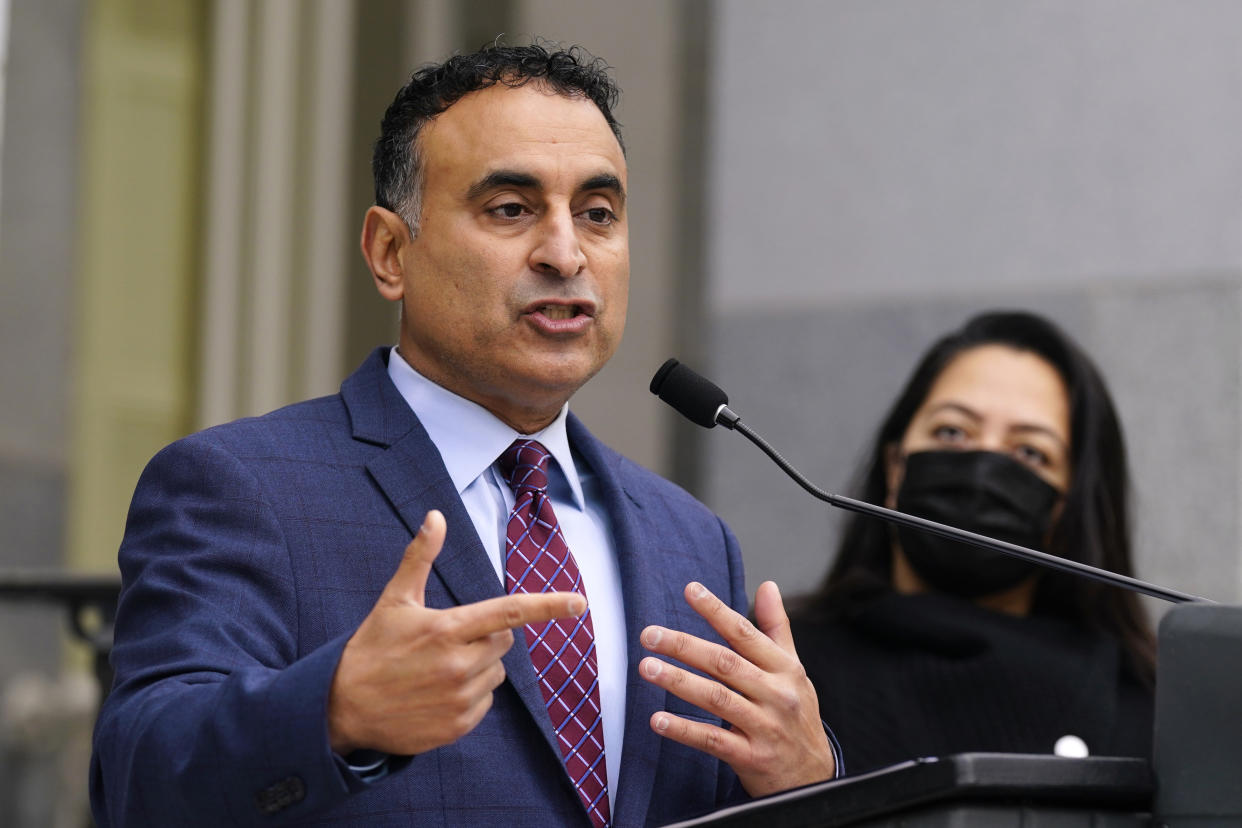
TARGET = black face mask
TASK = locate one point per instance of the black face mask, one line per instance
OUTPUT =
(981, 491)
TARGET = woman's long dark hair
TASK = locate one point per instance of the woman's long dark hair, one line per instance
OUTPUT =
(1094, 525)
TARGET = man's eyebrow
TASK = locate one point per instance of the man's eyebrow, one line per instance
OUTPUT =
(500, 179)
(605, 181)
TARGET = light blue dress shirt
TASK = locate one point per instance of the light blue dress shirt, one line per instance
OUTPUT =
(470, 439)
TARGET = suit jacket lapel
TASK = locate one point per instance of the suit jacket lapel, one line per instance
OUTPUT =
(413, 477)
(646, 600)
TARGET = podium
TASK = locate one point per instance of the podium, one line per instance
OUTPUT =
(969, 790)
(1193, 781)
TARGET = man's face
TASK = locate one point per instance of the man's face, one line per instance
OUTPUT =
(514, 290)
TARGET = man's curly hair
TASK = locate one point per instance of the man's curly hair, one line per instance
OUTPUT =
(395, 162)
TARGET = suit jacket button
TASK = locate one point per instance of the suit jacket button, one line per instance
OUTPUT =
(280, 795)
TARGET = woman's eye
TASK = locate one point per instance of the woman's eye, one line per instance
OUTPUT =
(1032, 456)
(948, 434)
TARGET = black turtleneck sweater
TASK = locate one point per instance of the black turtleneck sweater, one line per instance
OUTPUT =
(902, 676)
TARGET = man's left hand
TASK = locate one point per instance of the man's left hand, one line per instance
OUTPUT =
(776, 741)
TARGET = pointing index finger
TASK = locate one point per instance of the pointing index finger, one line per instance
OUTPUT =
(512, 611)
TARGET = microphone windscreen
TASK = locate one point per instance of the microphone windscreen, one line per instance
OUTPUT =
(695, 397)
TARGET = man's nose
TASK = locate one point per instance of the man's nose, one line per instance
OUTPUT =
(557, 251)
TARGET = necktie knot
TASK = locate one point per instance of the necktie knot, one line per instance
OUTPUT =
(525, 466)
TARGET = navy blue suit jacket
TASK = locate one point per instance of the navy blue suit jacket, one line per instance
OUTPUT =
(254, 550)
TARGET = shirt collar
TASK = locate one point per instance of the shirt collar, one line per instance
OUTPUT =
(469, 437)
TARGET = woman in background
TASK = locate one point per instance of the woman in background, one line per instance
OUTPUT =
(919, 646)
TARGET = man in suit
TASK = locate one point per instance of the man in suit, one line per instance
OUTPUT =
(280, 661)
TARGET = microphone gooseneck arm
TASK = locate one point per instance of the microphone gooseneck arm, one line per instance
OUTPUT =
(707, 405)
(892, 516)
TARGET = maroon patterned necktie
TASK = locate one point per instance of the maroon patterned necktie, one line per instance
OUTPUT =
(562, 650)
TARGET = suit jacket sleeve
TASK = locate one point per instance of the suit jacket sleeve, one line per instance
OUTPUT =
(215, 714)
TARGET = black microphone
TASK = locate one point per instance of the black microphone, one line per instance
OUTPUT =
(701, 401)
(695, 397)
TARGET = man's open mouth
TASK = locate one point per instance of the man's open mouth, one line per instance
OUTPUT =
(559, 312)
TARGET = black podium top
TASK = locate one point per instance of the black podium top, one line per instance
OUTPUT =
(1097, 782)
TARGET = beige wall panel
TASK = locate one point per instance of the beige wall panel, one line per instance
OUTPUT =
(136, 275)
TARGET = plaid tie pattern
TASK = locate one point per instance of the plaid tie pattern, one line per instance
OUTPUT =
(563, 650)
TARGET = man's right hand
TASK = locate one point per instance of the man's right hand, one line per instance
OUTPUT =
(412, 678)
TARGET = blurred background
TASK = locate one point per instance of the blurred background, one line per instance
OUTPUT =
(818, 189)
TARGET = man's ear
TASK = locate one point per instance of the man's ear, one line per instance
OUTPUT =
(384, 238)
(894, 470)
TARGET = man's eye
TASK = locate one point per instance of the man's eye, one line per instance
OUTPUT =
(511, 210)
(599, 215)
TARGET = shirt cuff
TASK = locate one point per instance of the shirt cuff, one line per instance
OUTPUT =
(838, 756)
(367, 765)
